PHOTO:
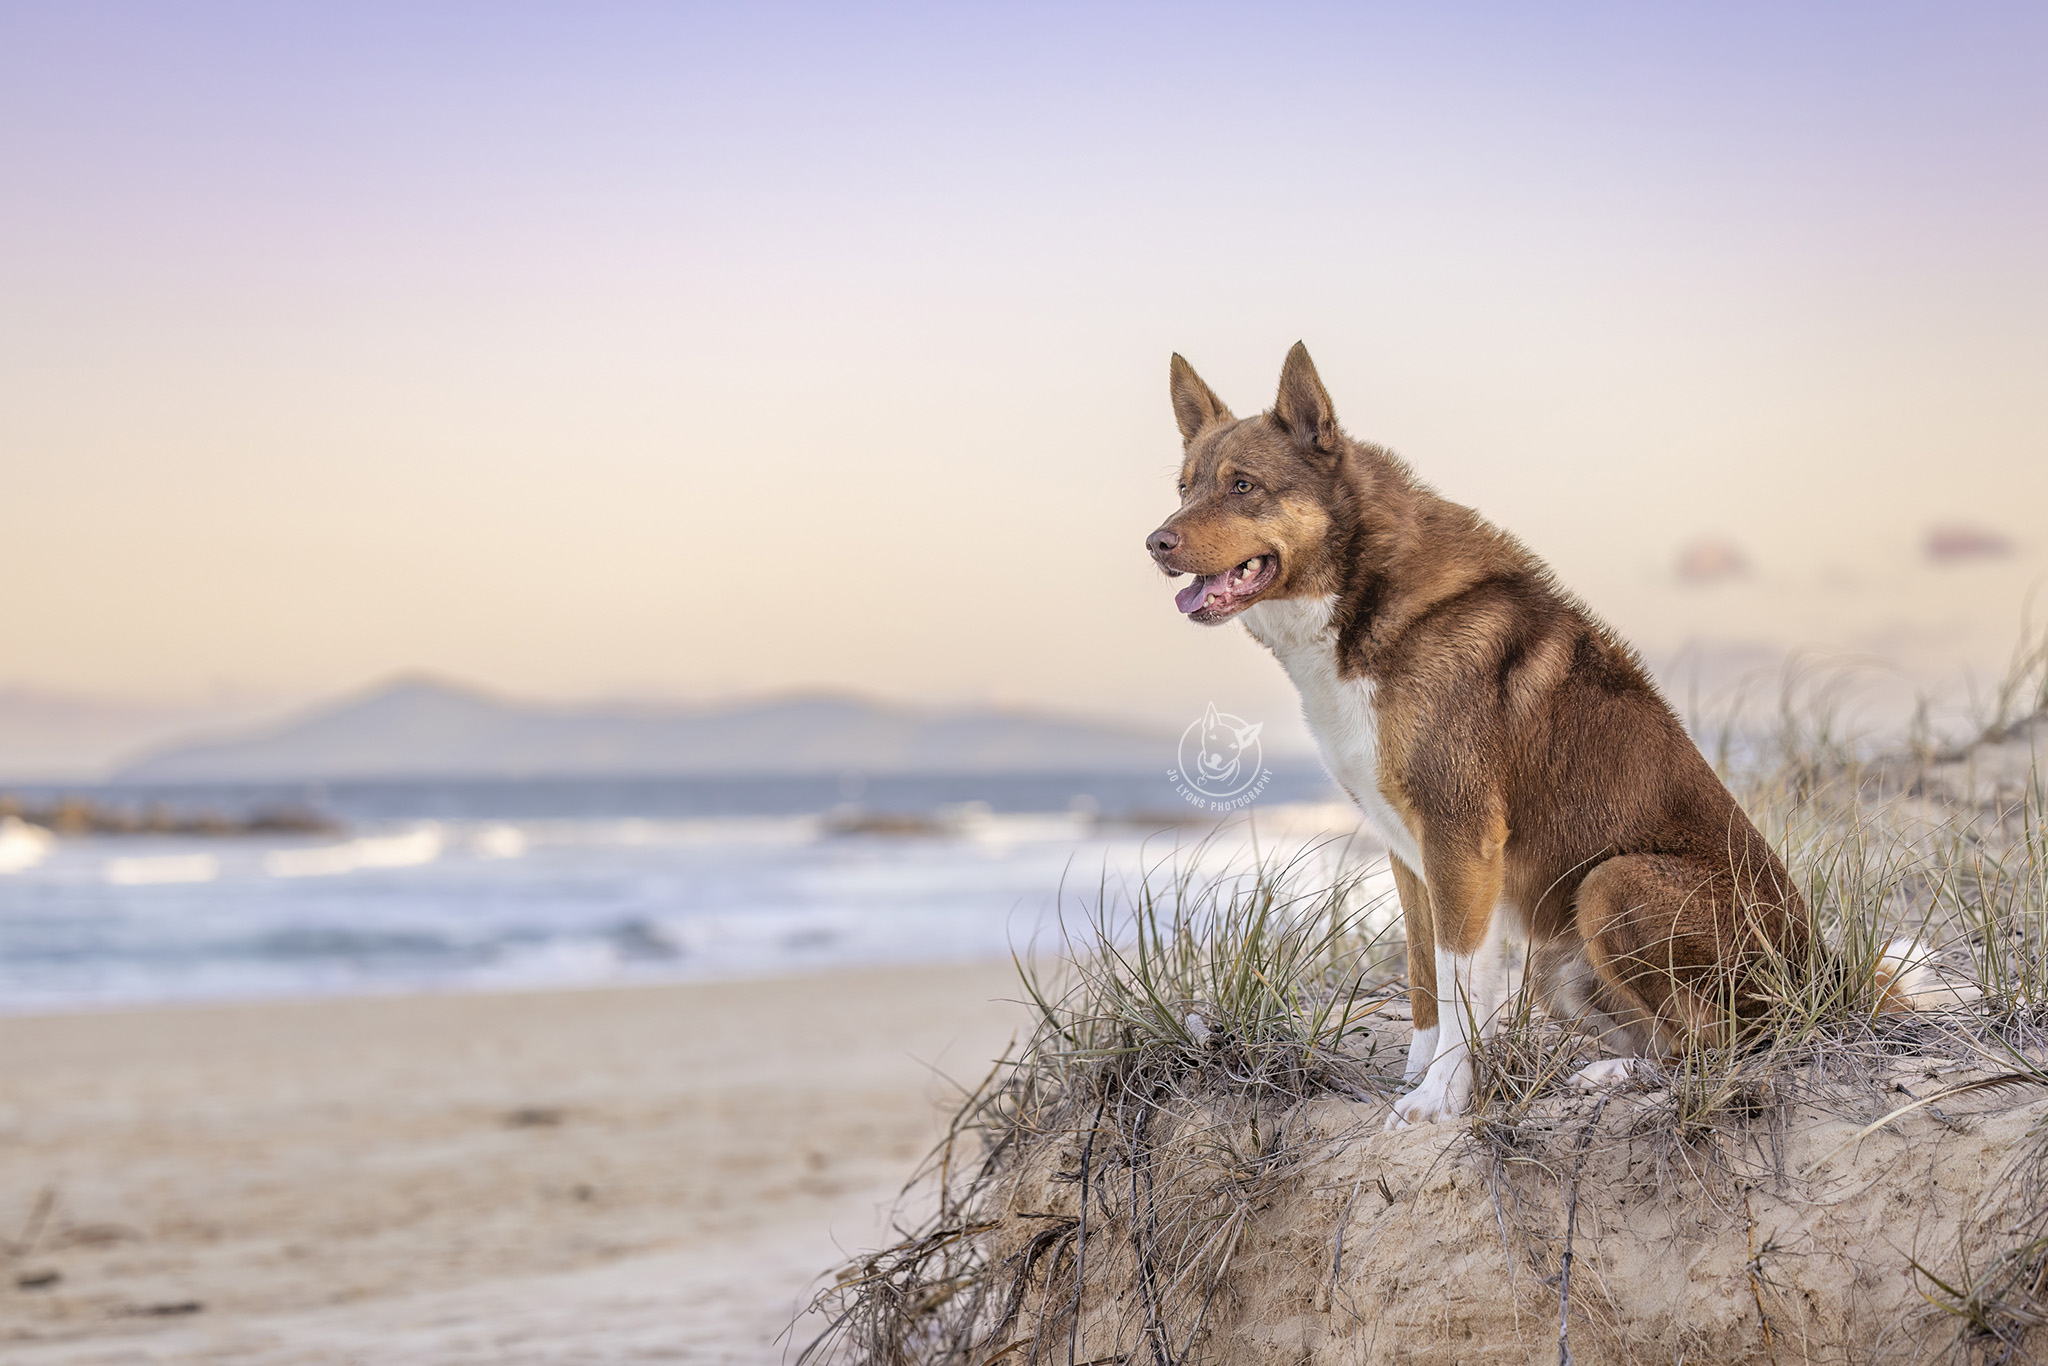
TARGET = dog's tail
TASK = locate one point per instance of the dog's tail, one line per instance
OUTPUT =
(1904, 980)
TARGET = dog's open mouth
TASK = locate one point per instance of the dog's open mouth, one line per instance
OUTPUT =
(1212, 597)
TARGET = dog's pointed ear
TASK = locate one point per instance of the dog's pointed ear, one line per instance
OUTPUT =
(1209, 721)
(1303, 408)
(1195, 405)
(1250, 733)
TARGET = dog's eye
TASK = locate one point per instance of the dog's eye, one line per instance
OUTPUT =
(1183, 486)
(1241, 486)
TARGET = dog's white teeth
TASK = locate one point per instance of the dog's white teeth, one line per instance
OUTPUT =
(1251, 566)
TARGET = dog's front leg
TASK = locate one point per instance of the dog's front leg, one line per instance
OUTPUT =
(1471, 977)
(1422, 1006)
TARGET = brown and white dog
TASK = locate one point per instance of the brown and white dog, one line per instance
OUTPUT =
(1530, 784)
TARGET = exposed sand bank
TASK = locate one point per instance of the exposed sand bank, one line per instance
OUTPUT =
(646, 1174)
(1350, 1246)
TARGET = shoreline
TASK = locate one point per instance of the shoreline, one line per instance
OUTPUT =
(389, 992)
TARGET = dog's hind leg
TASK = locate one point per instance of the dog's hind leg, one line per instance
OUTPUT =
(1571, 991)
(1422, 1006)
(1657, 935)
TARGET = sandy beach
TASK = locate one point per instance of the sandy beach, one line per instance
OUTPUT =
(642, 1174)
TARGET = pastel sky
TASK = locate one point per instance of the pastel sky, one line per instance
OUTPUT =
(602, 349)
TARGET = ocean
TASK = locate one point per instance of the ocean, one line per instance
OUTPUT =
(575, 882)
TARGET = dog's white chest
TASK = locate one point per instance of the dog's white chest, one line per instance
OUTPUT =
(1339, 711)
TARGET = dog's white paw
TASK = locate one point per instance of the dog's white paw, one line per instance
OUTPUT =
(1605, 1074)
(1445, 1093)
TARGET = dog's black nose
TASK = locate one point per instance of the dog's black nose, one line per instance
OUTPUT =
(1163, 541)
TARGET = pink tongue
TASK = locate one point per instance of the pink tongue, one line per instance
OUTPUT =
(1192, 597)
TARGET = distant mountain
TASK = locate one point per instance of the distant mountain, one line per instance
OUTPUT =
(48, 736)
(420, 728)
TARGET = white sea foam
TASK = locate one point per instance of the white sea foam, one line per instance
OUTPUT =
(498, 841)
(22, 845)
(414, 847)
(140, 871)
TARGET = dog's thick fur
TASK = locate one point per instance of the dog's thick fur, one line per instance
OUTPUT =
(1527, 777)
